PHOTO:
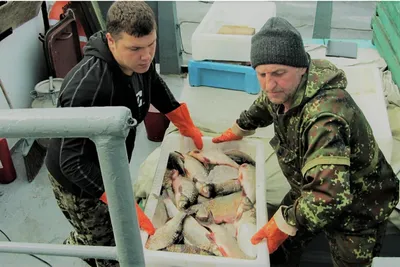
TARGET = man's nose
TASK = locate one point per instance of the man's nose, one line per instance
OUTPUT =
(269, 83)
(146, 55)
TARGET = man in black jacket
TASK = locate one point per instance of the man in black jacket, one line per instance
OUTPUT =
(117, 70)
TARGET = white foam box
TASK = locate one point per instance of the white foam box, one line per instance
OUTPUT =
(176, 142)
(207, 44)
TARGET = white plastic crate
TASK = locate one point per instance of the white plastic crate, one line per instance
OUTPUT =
(208, 45)
(175, 142)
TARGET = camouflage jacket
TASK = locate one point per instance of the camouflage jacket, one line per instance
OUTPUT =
(327, 151)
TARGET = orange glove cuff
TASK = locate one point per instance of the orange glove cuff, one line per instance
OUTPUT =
(144, 221)
(180, 117)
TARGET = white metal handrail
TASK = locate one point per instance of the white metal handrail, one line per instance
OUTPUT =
(108, 128)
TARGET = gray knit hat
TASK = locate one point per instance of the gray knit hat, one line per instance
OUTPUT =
(278, 42)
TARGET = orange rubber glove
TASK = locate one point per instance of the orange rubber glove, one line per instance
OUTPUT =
(144, 222)
(276, 231)
(180, 117)
(226, 136)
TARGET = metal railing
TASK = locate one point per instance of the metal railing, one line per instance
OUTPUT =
(108, 128)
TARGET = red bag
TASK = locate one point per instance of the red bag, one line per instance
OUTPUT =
(7, 169)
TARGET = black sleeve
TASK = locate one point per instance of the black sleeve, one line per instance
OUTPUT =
(160, 95)
(88, 86)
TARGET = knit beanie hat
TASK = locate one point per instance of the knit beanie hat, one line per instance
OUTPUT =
(278, 42)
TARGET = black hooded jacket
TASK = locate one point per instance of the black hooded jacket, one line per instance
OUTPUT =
(97, 80)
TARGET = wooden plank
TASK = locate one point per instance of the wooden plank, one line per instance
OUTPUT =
(385, 49)
(390, 29)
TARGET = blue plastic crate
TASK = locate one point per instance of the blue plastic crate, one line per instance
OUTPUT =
(223, 75)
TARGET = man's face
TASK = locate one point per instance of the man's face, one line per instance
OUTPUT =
(133, 54)
(279, 82)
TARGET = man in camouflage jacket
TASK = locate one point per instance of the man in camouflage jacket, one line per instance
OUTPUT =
(340, 181)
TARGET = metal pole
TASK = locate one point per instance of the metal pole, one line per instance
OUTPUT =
(65, 122)
(114, 168)
(108, 128)
(98, 252)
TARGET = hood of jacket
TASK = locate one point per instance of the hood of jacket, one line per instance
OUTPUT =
(97, 46)
(321, 75)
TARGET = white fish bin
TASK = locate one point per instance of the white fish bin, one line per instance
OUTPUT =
(208, 43)
(175, 142)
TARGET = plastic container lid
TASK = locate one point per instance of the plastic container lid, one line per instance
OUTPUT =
(44, 86)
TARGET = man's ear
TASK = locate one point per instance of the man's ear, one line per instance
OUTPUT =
(302, 71)
(110, 40)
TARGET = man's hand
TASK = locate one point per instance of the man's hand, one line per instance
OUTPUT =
(180, 117)
(276, 231)
(226, 136)
(144, 222)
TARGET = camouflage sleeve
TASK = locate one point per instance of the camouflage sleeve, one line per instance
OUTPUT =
(258, 115)
(326, 187)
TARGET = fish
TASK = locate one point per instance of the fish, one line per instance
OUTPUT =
(240, 157)
(160, 215)
(205, 189)
(189, 249)
(167, 183)
(230, 228)
(248, 216)
(227, 244)
(194, 169)
(245, 205)
(214, 157)
(246, 227)
(193, 233)
(228, 187)
(201, 199)
(168, 234)
(244, 234)
(247, 178)
(222, 173)
(185, 191)
(176, 162)
(224, 209)
(197, 235)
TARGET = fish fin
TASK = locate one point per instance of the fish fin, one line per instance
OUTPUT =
(210, 218)
(239, 212)
(223, 252)
(211, 236)
(240, 176)
(187, 173)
